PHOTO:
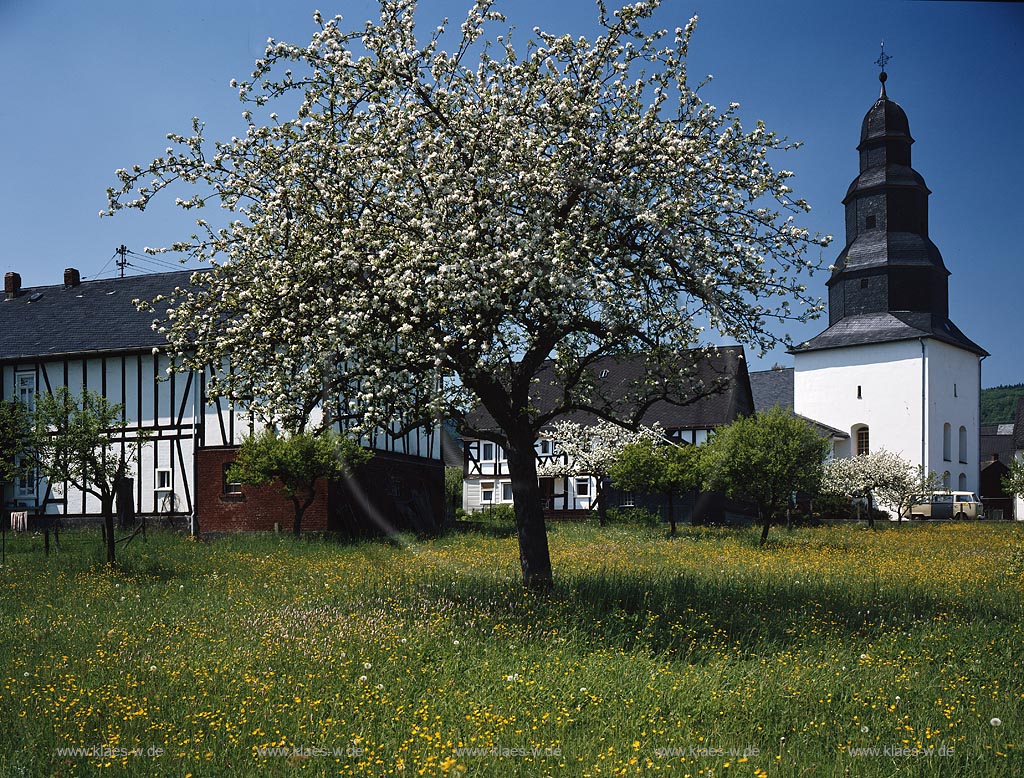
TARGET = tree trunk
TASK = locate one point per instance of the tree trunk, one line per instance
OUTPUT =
(871, 512)
(107, 506)
(602, 503)
(533, 535)
(766, 522)
(300, 511)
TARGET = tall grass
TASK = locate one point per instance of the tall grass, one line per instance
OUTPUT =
(703, 655)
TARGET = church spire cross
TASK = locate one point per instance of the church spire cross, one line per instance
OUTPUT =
(883, 58)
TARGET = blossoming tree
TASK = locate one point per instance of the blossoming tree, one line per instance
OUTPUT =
(883, 477)
(592, 450)
(435, 224)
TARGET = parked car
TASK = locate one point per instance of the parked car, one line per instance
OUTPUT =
(958, 506)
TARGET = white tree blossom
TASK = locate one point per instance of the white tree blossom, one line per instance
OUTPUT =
(435, 223)
(881, 477)
(591, 449)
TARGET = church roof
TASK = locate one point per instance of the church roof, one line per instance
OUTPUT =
(889, 326)
(771, 388)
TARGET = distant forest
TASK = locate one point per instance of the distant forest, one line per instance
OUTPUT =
(999, 404)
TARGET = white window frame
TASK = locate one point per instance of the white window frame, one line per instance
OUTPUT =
(506, 491)
(25, 389)
(21, 491)
(163, 479)
(486, 487)
(585, 490)
(484, 456)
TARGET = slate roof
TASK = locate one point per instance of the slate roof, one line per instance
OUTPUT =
(887, 327)
(996, 439)
(771, 388)
(1018, 426)
(722, 374)
(95, 316)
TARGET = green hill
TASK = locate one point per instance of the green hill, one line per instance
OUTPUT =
(999, 404)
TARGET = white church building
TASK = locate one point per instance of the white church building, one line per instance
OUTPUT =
(892, 369)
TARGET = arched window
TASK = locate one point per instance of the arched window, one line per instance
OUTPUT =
(963, 445)
(962, 481)
(862, 440)
(946, 480)
(947, 442)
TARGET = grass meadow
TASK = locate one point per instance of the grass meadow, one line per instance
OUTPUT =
(832, 651)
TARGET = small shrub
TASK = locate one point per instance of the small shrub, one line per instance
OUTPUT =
(495, 514)
(634, 516)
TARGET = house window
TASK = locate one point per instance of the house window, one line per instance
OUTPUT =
(582, 487)
(229, 486)
(487, 491)
(962, 482)
(163, 479)
(506, 492)
(863, 441)
(863, 283)
(25, 388)
(963, 445)
(628, 500)
(545, 447)
(25, 483)
(487, 452)
(871, 222)
(947, 442)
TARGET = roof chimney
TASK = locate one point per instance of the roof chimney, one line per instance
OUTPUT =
(12, 285)
(71, 278)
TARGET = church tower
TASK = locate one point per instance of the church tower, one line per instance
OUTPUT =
(892, 369)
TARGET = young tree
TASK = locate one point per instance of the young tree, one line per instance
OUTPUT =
(881, 477)
(1013, 481)
(82, 440)
(658, 469)
(437, 222)
(765, 458)
(591, 450)
(297, 462)
(15, 441)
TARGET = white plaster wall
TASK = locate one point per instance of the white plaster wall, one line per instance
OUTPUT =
(954, 387)
(825, 388)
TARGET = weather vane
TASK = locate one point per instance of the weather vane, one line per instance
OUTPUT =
(882, 58)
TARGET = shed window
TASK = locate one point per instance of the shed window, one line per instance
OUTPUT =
(229, 486)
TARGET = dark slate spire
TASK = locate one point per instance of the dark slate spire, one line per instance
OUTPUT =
(889, 282)
(889, 263)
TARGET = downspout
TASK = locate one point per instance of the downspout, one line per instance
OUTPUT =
(978, 427)
(197, 390)
(924, 407)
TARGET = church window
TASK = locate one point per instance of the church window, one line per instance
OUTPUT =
(947, 442)
(863, 283)
(859, 395)
(945, 480)
(954, 391)
(963, 445)
(963, 482)
(871, 222)
(863, 441)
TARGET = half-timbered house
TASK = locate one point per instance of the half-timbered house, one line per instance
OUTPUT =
(90, 335)
(720, 393)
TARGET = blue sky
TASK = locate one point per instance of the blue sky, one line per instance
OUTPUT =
(91, 87)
